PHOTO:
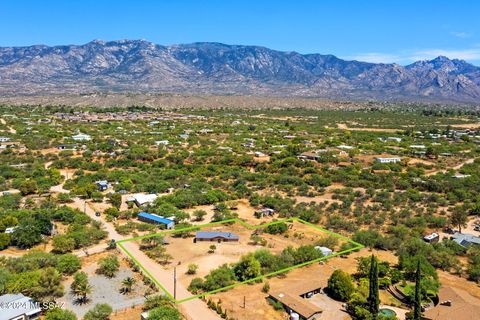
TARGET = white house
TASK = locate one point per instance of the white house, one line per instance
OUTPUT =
(162, 142)
(396, 139)
(81, 137)
(18, 307)
(344, 147)
(142, 199)
(417, 146)
(461, 176)
(388, 160)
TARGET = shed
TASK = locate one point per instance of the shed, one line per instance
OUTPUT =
(156, 219)
(324, 250)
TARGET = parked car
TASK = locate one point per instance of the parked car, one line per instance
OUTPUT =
(449, 230)
(97, 214)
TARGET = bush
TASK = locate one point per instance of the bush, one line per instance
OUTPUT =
(101, 311)
(68, 264)
(60, 314)
(108, 266)
(277, 228)
(164, 313)
(192, 268)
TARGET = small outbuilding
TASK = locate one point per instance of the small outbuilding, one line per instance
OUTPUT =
(324, 250)
(432, 238)
(102, 185)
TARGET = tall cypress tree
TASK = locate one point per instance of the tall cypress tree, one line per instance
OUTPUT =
(417, 307)
(373, 299)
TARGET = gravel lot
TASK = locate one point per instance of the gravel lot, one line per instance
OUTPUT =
(105, 290)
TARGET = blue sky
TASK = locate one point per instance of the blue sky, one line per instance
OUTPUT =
(377, 31)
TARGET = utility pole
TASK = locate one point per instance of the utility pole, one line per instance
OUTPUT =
(174, 283)
(85, 206)
(244, 302)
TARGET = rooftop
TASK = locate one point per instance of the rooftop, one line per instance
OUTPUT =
(215, 234)
(15, 305)
(155, 217)
(454, 304)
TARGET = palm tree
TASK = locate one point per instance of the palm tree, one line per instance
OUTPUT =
(128, 283)
(80, 286)
(82, 290)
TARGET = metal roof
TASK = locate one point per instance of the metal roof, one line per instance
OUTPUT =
(15, 305)
(215, 234)
(154, 217)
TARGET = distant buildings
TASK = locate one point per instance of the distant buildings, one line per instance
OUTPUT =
(388, 160)
(102, 185)
(417, 146)
(81, 137)
(264, 212)
(396, 139)
(461, 176)
(4, 139)
(18, 307)
(156, 219)
(162, 142)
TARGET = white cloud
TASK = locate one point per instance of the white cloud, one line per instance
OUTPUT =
(375, 57)
(462, 35)
(466, 54)
(404, 57)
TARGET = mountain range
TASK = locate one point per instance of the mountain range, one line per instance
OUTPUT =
(139, 66)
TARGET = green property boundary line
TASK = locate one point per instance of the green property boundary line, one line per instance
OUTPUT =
(356, 246)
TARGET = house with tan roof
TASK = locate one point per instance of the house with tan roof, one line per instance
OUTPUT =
(454, 304)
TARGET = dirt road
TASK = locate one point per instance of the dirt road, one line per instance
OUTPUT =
(455, 168)
(194, 309)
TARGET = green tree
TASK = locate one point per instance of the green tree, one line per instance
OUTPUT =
(68, 263)
(417, 304)
(373, 299)
(63, 244)
(247, 268)
(26, 235)
(49, 285)
(28, 187)
(4, 240)
(60, 314)
(199, 215)
(108, 266)
(459, 217)
(115, 199)
(101, 311)
(340, 285)
(80, 286)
